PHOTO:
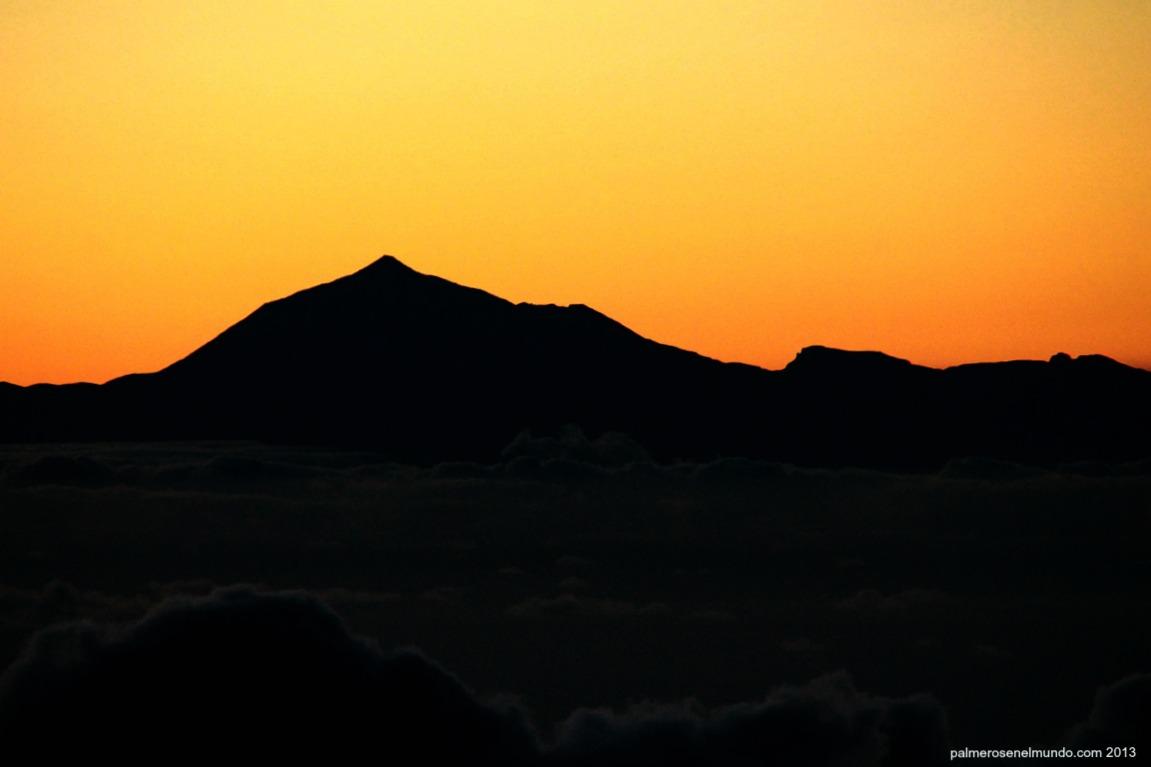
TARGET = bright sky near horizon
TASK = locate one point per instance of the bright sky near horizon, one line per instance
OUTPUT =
(944, 181)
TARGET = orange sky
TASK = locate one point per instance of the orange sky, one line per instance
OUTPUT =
(943, 181)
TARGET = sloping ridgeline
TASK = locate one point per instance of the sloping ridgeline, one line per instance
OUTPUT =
(422, 369)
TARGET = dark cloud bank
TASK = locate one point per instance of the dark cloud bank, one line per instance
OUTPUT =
(575, 573)
(272, 675)
(280, 674)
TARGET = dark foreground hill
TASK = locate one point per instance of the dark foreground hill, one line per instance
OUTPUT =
(422, 369)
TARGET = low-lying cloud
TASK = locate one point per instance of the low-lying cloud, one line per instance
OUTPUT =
(276, 674)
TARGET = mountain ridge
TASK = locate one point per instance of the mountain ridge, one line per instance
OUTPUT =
(392, 267)
(425, 369)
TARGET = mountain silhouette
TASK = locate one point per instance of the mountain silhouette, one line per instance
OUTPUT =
(422, 369)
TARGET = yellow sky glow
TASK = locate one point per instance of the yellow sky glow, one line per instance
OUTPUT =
(946, 182)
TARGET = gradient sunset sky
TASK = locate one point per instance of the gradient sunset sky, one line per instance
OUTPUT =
(944, 181)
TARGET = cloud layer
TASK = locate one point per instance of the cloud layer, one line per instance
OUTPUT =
(265, 673)
(276, 674)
